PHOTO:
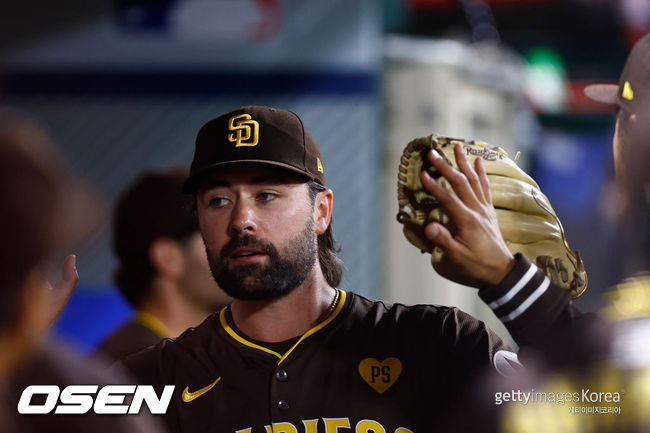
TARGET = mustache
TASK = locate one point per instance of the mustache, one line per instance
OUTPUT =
(250, 241)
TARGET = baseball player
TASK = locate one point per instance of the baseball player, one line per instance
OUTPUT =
(294, 352)
(606, 353)
(163, 269)
(631, 148)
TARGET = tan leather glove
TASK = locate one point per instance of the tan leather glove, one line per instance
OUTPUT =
(527, 220)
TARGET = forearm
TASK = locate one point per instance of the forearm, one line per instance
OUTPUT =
(528, 303)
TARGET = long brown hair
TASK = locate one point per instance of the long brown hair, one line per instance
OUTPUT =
(328, 248)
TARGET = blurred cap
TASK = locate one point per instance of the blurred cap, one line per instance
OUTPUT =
(255, 135)
(152, 207)
(633, 89)
(45, 211)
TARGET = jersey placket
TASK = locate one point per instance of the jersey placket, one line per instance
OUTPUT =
(279, 389)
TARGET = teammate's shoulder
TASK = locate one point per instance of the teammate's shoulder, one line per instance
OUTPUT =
(204, 331)
(189, 343)
(130, 337)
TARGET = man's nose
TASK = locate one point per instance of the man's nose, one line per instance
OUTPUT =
(242, 218)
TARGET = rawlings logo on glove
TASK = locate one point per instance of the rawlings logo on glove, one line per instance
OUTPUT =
(527, 221)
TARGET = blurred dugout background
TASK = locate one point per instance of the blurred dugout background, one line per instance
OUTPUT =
(124, 85)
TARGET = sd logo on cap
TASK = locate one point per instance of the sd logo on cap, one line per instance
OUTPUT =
(255, 134)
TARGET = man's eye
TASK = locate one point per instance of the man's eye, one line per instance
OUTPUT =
(266, 196)
(217, 202)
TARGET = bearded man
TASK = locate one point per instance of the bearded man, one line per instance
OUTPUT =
(295, 353)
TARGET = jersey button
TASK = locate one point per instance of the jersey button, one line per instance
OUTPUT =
(283, 405)
(281, 375)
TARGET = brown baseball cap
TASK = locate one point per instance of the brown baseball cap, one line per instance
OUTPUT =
(255, 135)
(633, 89)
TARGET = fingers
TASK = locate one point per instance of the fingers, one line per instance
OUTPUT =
(68, 281)
(468, 171)
(483, 179)
(452, 204)
(440, 237)
(63, 289)
(458, 180)
(69, 270)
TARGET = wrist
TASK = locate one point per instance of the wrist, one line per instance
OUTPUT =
(501, 271)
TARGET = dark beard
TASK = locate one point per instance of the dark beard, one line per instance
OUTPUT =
(263, 282)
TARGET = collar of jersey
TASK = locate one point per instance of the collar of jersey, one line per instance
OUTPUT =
(154, 324)
(281, 358)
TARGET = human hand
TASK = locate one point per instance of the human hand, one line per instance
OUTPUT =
(476, 253)
(61, 291)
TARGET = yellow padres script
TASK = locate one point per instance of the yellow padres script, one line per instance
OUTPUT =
(332, 425)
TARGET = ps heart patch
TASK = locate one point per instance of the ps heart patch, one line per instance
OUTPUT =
(380, 375)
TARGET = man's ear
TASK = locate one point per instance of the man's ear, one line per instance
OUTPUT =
(323, 205)
(166, 257)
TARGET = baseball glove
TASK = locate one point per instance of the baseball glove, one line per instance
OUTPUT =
(527, 221)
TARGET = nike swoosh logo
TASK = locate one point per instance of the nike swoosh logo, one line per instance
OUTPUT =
(189, 396)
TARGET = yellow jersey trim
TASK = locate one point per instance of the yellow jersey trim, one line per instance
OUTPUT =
(318, 327)
(321, 325)
(153, 323)
(233, 334)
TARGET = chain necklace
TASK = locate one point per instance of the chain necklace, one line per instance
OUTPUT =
(335, 302)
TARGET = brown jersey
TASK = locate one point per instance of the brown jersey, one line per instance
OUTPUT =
(136, 334)
(371, 366)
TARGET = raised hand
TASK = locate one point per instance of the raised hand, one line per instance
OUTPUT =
(476, 253)
(61, 291)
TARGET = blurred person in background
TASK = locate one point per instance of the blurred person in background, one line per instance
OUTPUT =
(631, 146)
(163, 268)
(44, 212)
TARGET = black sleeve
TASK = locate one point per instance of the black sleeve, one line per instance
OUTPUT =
(529, 304)
(472, 350)
(473, 345)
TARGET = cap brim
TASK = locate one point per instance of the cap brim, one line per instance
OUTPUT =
(192, 183)
(604, 93)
